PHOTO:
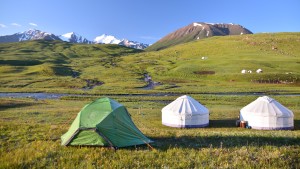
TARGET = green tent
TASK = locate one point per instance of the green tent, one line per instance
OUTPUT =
(104, 122)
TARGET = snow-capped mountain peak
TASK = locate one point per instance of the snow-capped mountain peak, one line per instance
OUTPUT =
(107, 39)
(133, 44)
(74, 38)
(33, 34)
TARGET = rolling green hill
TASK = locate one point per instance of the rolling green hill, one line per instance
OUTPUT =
(215, 64)
(208, 65)
(55, 65)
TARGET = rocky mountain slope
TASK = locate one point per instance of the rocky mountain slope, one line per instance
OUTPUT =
(198, 30)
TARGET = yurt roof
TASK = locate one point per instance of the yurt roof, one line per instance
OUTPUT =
(267, 106)
(185, 105)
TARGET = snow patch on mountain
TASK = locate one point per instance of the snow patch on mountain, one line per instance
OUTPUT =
(197, 24)
(133, 44)
(68, 35)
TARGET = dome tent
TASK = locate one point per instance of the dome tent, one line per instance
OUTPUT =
(266, 113)
(185, 112)
(104, 122)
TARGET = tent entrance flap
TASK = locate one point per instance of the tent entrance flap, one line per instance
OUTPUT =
(101, 135)
(89, 137)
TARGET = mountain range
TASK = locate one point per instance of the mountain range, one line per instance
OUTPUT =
(196, 31)
(71, 37)
(191, 32)
(28, 35)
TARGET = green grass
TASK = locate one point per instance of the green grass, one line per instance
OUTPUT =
(52, 66)
(31, 130)
(226, 57)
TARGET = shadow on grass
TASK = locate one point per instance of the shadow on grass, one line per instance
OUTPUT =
(20, 62)
(164, 143)
(64, 71)
(231, 123)
(222, 123)
(4, 106)
(296, 124)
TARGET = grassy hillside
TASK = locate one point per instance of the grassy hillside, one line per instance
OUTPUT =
(50, 66)
(58, 66)
(182, 66)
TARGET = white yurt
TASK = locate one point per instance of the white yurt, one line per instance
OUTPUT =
(185, 112)
(266, 113)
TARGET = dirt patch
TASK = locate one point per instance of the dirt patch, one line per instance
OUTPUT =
(205, 72)
(8, 118)
(274, 81)
(91, 83)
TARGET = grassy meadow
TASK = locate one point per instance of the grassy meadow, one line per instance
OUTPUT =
(30, 129)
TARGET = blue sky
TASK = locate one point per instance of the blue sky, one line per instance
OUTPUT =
(144, 20)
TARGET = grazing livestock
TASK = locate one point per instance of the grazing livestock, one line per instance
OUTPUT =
(259, 71)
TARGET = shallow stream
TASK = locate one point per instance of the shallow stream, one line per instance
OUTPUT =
(42, 96)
